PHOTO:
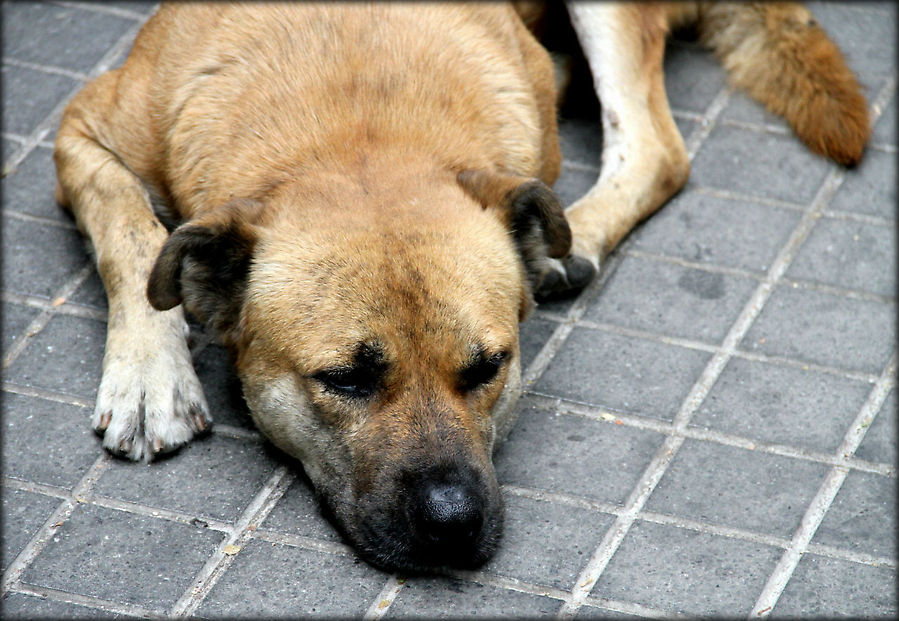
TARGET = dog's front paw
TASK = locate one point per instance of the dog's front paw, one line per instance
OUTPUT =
(150, 400)
(565, 277)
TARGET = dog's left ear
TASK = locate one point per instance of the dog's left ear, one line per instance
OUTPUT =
(205, 264)
(531, 211)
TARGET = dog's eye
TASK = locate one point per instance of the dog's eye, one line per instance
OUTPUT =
(481, 371)
(350, 382)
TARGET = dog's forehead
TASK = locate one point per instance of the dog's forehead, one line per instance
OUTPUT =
(428, 289)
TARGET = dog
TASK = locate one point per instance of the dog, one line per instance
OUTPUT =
(356, 199)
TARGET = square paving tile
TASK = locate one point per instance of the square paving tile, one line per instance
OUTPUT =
(879, 443)
(39, 259)
(222, 388)
(66, 357)
(41, 90)
(871, 188)
(571, 454)
(15, 319)
(61, 36)
(298, 512)
(706, 229)
(305, 583)
(735, 487)
(91, 293)
(213, 476)
(533, 335)
(25, 606)
(27, 189)
(45, 441)
(581, 143)
(687, 572)
(692, 77)
(862, 517)
(782, 405)
(848, 254)
(448, 598)
(623, 373)
(825, 329)
(758, 164)
(826, 587)
(123, 557)
(23, 514)
(546, 543)
(673, 300)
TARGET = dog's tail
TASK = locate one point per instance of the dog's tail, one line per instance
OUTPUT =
(782, 58)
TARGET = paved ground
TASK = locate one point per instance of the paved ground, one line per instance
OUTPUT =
(709, 429)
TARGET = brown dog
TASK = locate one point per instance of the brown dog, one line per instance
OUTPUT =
(363, 212)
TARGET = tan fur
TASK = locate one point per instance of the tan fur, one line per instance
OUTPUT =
(363, 208)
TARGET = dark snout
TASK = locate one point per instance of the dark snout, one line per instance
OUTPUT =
(446, 511)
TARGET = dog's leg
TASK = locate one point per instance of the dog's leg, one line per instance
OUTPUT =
(150, 399)
(644, 161)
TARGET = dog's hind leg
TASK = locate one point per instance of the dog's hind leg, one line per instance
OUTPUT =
(644, 161)
(150, 399)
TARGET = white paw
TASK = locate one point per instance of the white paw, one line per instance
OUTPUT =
(150, 400)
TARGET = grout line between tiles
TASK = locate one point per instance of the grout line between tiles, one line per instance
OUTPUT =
(75, 75)
(101, 7)
(27, 217)
(39, 393)
(825, 496)
(56, 519)
(385, 598)
(217, 564)
(88, 601)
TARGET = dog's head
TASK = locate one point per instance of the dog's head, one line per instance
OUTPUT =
(376, 337)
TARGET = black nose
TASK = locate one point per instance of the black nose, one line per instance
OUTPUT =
(450, 515)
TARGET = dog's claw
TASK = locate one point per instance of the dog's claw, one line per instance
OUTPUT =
(200, 422)
(157, 445)
(104, 422)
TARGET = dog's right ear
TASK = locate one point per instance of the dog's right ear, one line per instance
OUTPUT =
(205, 264)
(531, 211)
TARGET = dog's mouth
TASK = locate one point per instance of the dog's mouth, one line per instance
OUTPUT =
(431, 525)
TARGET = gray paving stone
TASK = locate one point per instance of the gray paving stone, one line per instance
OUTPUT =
(59, 36)
(533, 335)
(37, 259)
(45, 441)
(621, 373)
(885, 127)
(866, 37)
(91, 293)
(213, 477)
(595, 611)
(871, 188)
(15, 319)
(299, 513)
(305, 583)
(741, 107)
(23, 514)
(570, 454)
(848, 254)
(24, 606)
(580, 141)
(827, 587)
(687, 572)
(862, 517)
(706, 229)
(758, 164)
(40, 89)
(9, 147)
(692, 77)
(546, 543)
(880, 439)
(122, 557)
(66, 357)
(782, 405)
(573, 183)
(669, 299)
(222, 388)
(138, 6)
(30, 188)
(735, 487)
(448, 598)
(825, 329)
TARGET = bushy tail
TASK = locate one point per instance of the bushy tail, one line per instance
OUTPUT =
(782, 58)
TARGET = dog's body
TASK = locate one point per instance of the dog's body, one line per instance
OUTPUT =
(364, 207)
